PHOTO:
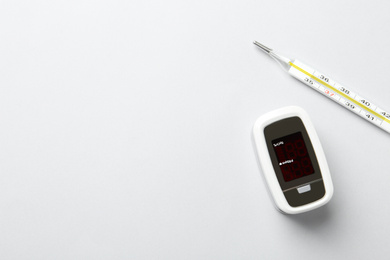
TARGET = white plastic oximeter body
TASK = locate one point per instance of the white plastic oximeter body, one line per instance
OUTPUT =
(292, 160)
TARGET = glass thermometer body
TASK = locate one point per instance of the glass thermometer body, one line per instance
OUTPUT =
(333, 90)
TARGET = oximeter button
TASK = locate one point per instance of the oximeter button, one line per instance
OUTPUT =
(304, 189)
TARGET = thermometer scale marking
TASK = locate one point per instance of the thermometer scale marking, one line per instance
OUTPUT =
(332, 90)
(316, 79)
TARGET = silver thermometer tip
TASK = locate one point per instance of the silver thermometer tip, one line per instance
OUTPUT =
(283, 61)
(264, 48)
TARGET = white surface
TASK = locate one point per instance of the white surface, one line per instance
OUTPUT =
(267, 167)
(126, 128)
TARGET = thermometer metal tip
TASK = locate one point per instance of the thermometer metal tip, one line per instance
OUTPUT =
(263, 47)
(283, 61)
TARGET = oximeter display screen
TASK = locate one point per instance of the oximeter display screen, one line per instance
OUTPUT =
(293, 157)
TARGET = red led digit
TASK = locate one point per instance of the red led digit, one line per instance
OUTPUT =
(290, 149)
(293, 157)
(280, 154)
(306, 166)
(301, 149)
(296, 168)
(287, 173)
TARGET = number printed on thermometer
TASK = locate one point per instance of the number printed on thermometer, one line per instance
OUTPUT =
(340, 94)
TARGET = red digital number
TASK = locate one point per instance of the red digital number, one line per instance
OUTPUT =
(287, 173)
(306, 165)
(301, 149)
(290, 149)
(296, 169)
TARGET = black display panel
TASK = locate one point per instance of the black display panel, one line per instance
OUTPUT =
(280, 131)
(292, 156)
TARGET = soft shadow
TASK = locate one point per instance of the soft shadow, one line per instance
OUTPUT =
(313, 220)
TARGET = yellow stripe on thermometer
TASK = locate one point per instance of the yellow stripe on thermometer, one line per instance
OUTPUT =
(333, 90)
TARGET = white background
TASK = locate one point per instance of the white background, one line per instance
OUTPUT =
(125, 128)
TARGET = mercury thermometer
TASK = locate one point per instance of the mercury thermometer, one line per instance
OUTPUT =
(293, 161)
(333, 90)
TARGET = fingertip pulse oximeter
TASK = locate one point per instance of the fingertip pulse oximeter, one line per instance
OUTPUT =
(292, 160)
